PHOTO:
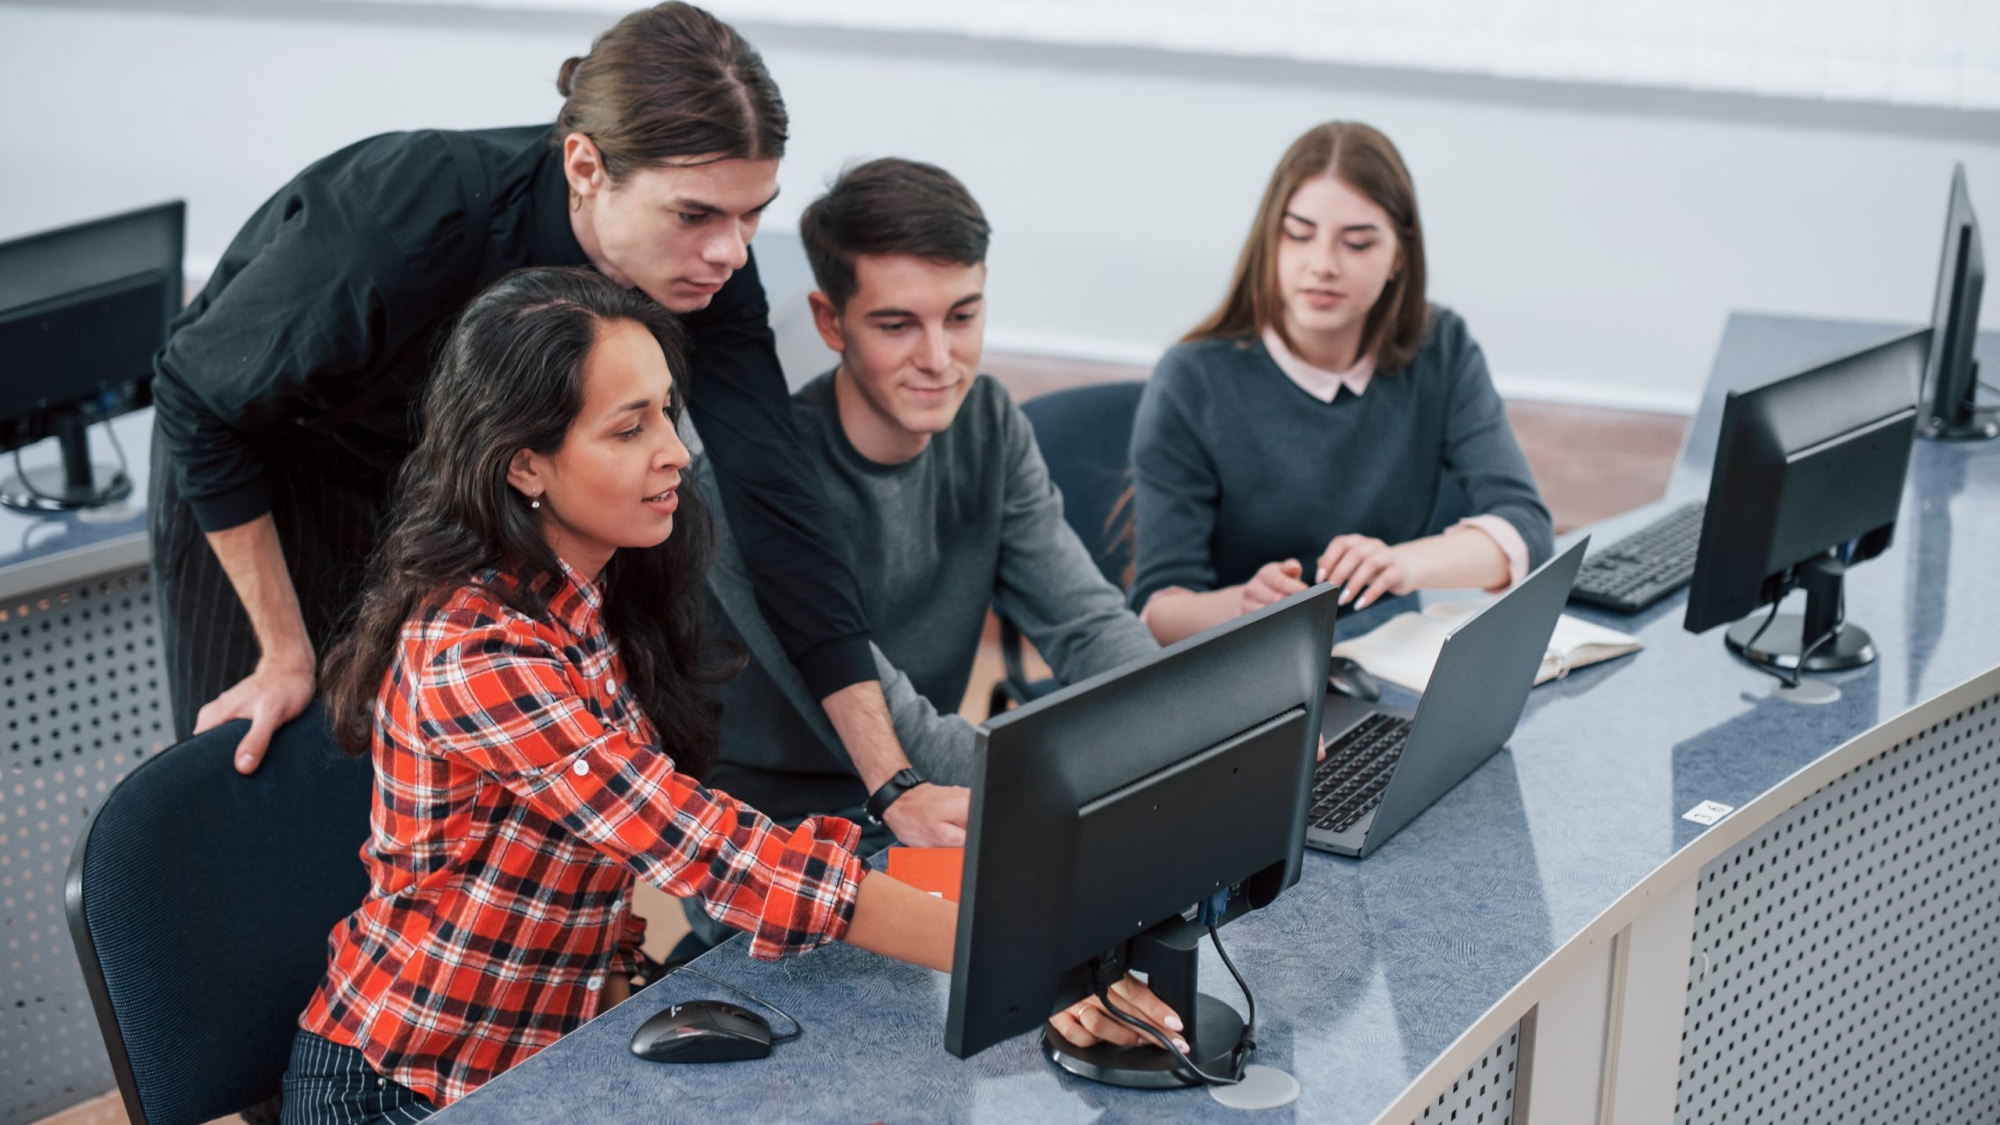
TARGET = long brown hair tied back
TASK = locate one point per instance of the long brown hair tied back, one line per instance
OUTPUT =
(667, 83)
(1361, 157)
(511, 378)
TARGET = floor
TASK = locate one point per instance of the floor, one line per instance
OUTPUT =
(1590, 463)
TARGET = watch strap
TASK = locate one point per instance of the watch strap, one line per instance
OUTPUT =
(879, 801)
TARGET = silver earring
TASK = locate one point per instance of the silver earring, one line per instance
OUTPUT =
(536, 502)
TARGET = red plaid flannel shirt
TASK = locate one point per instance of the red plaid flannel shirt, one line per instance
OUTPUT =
(518, 788)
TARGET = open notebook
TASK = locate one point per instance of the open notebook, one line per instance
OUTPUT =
(1404, 648)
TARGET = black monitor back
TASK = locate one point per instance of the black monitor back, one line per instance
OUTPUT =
(1806, 463)
(1117, 803)
(83, 309)
(1949, 383)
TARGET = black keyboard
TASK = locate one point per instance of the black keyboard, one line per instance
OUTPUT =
(1349, 783)
(1643, 567)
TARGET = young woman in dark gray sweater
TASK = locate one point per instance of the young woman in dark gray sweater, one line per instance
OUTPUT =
(1327, 422)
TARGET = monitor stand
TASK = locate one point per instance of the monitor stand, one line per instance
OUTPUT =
(1968, 422)
(1168, 955)
(1790, 633)
(73, 484)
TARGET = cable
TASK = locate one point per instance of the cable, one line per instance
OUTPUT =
(798, 1028)
(1751, 644)
(1250, 1023)
(1187, 1064)
(104, 416)
(1793, 680)
(1245, 1043)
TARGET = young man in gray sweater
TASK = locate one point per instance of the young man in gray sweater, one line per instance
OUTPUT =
(937, 493)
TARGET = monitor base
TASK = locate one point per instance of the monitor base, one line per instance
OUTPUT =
(1781, 644)
(1217, 1029)
(1977, 425)
(51, 490)
(1970, 422)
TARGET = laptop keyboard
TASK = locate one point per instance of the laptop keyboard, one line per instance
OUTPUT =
(1349, 783)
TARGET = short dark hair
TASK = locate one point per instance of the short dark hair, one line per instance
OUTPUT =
(890, 206)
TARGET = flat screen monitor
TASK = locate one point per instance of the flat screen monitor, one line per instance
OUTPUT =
(83, 310)
(1951, 379)
(1113, 821)
(1807, 481)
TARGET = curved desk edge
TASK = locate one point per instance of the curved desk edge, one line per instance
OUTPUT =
(1679, 873)
(68, 566)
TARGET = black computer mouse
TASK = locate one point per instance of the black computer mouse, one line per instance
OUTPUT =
(1347, 677)
(697, 1031)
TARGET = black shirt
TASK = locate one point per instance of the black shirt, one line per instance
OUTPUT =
(308, 345)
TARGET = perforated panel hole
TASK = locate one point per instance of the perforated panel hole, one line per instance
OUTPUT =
(85, 700)
(1484, 1094)
(1845, 964)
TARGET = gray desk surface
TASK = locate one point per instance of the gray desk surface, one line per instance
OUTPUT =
(45, 549)
(1367, 970)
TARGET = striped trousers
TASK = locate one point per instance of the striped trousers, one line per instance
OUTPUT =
(330, 1084)
(326, 527)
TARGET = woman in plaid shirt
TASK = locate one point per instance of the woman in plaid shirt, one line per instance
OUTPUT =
(528, 670)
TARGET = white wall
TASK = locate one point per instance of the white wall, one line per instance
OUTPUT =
(1914, 52)
(1596, 238)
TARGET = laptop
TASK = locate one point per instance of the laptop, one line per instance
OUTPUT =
(1384, 765)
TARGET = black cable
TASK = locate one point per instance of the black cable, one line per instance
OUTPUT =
(124, 466)
(798, 1028)
(1767, 669)
(1249, 1024)
(1167, 1044)
(1245, 1043)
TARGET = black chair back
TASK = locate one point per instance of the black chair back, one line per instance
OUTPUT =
(201, 900)
(1085, 434)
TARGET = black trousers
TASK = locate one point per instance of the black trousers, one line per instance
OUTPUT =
(326, 527)
(329, 1084)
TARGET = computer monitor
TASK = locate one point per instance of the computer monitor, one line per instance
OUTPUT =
(1114, 820)
(83, 309)
(1808, 477)
(1951, 381)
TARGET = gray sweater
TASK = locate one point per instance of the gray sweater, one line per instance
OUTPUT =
(1235, 466)
(971, 521)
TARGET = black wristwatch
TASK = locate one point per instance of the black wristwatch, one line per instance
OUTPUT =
(880, 800)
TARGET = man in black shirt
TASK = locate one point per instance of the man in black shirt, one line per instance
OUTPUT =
(284, 394)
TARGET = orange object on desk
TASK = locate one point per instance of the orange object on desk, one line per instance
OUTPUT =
(934, 870)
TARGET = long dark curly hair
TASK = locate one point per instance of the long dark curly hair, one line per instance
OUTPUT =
(510, 378)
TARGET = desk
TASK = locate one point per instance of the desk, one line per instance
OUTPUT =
(85, 701)
(1532, 935)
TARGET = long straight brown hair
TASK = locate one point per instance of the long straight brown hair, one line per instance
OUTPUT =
(1365, 160)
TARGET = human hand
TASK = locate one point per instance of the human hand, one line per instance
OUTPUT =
(930, 816)
(271, 696)
(1086, 1023)
(1367, 567)
(1272, 582)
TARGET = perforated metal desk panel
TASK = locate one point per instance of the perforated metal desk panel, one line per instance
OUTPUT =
(1369, 972)
(84, 702)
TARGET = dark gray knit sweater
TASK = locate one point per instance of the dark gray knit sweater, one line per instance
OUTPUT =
(1235, 466)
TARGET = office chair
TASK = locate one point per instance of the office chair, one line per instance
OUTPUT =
(200, 901)
(1085, 434)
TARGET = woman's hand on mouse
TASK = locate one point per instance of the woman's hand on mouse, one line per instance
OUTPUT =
(1367, 567)
(1086, 1023)
(1272, 582)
